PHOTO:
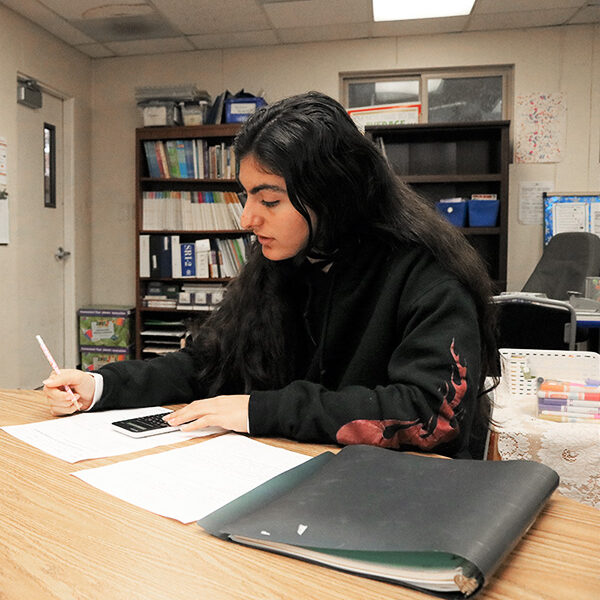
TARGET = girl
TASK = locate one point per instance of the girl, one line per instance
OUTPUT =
(362, 316)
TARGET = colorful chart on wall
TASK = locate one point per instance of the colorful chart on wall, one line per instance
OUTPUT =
(571, 212)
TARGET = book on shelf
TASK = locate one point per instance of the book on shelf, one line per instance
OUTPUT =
(166, 256)
(172, 159)
(187, 296)
(152, 160)
(181, 160)
(160, 295)
(484, 196)
(163, 163)
(190, 210)
(438, 525)
(190, 159)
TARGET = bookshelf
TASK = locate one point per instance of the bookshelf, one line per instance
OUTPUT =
(453, 160)
(188, 240)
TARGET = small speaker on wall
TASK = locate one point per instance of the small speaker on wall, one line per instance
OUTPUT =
(29, 93)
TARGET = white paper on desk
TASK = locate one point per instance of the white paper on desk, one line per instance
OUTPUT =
(189, 483)
(90, 435)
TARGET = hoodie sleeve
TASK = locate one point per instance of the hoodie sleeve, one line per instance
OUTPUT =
(169, 379)
(426, 402)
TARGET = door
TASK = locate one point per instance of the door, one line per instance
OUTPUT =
(40, 237)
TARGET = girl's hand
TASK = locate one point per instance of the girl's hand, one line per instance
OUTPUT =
(81, 383)
(229, 412)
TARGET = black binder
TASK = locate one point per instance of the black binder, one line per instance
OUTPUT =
(441, 526)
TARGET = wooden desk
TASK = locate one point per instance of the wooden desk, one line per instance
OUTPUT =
(63, 539)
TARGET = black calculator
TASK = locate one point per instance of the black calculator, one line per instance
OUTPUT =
(144, 426)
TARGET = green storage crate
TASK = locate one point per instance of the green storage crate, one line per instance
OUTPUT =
(108, 326)
(94, 357)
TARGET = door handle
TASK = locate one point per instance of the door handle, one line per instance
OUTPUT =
(61, 253)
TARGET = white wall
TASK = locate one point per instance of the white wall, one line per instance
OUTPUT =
(26, 48)
(565, 59)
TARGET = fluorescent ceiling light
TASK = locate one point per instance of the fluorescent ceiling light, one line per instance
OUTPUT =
(398, 10)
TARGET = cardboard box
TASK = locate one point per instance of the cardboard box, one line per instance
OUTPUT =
(94, 357)
(111, 327)
(454, 209)
(237, 110)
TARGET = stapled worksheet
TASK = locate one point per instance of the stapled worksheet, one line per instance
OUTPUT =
(90, 435)
(189, 483)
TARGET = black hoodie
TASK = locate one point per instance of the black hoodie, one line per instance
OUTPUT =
(389, 356)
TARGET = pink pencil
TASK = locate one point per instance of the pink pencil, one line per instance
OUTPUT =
(57, 370)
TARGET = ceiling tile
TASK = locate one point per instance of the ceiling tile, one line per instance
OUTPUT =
(309, 13)
(496, 6)
(214, 16)
(343, 31)
(149, 46)
(143, 27)
(95, 50)
(589, 14)
(234, 40)
(76, 9)
(537, 18)
(48, 20)
(419, 26)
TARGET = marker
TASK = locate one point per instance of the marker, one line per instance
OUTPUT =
(57, 370)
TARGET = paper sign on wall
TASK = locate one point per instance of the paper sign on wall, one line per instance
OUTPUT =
(531, 201)
(3, 191)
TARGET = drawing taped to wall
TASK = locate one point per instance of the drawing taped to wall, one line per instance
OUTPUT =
(540, 127)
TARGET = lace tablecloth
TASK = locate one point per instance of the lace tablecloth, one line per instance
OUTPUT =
(571, 449)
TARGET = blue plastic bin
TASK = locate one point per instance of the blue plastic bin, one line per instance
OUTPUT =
(483, 213)
(454, 210)
(237, 110)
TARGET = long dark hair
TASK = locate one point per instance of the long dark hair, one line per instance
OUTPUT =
(331, 168)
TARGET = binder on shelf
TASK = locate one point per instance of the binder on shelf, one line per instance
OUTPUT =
(144, 242)
(202, 250)
(155, 250)
(439, 525)
(188, 260)
(175, 256)
(164, 259)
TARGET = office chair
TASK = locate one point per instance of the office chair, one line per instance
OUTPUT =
(528, 321)
(565, 263)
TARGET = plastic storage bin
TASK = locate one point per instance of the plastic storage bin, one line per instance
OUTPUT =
(194, 113)
(522, 367)
(483, 213)
(160, 113)
(454, 210)
(238, 110)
